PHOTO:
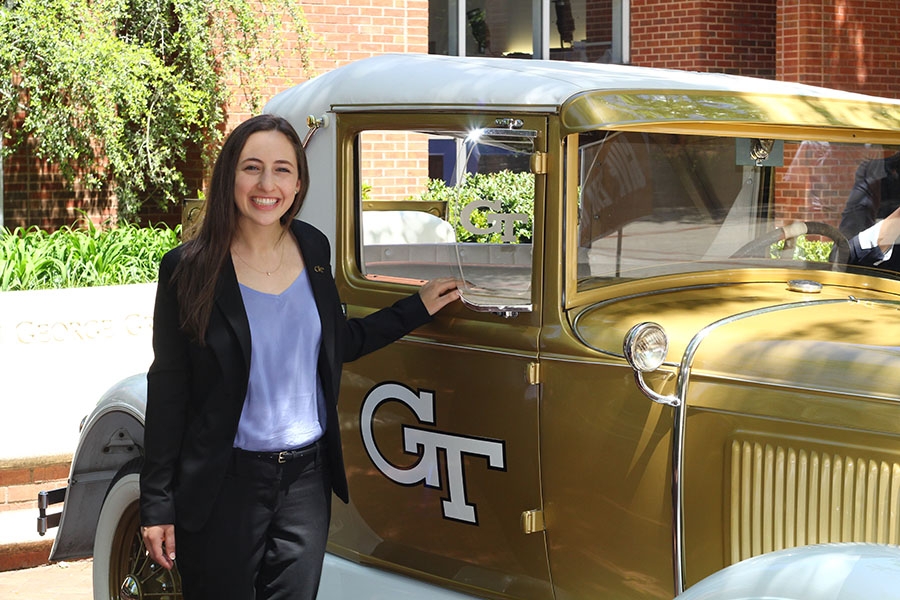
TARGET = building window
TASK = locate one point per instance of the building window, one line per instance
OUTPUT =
(575, 30)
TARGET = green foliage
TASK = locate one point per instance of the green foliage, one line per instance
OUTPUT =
(805, 250)
(815, 250)
(116, 90)
(514, 191)
(32, 259)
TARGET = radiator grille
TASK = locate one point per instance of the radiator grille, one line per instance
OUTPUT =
(783, 497)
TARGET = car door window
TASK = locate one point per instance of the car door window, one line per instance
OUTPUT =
(445, 203)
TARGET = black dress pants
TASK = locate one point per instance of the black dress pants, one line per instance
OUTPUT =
(265, 539)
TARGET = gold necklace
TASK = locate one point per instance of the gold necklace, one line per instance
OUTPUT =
(267, 273)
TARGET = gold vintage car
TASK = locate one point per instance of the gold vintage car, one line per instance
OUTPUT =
(679, 345)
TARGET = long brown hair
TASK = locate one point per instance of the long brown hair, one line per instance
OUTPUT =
(204, 255)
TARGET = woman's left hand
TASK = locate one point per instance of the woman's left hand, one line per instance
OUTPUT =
(438, 293)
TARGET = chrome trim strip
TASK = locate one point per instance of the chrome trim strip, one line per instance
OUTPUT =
(412, 339)
(778, 385)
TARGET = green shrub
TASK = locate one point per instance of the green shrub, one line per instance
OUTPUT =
(514, 191)
(32, 259)
(806, 250)
(815, 250)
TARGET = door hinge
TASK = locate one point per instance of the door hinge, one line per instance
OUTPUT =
(539, 163)
(533, 521)
(534, 373)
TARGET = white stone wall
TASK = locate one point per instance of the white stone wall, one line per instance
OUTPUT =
(60, 350)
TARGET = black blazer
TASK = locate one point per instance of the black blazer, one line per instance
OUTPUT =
(195, 394)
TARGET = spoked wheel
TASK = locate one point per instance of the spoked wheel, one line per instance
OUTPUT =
(122, 568)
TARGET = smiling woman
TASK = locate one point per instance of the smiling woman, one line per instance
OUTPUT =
(243, 437)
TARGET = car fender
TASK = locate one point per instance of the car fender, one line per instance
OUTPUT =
(842, 571)
(111, 435)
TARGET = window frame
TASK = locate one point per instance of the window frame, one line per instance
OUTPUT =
(350, 202)
(541, 26)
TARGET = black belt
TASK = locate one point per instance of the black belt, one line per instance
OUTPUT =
(284, 456)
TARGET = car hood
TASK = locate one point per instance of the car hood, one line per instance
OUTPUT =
(839, 340)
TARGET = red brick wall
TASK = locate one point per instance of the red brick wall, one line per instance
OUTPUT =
(34, 194)
(598, 21)
(806, 191)
(344, 31)
(847, 44)
(720, 36)
(20, 481)
(844, 44)
(396, 175)
(355, 29)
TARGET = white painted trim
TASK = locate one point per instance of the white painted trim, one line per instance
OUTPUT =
(346, 580)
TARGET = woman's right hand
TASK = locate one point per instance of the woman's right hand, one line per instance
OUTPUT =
(159, 540)
(438, 293)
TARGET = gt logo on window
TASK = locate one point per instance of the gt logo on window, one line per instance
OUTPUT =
(425, 444)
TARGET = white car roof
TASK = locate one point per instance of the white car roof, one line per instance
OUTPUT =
(436, 80)
(590, 96)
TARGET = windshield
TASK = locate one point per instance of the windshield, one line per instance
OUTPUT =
(660, 204)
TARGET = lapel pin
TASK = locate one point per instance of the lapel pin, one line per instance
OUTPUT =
(319, 269)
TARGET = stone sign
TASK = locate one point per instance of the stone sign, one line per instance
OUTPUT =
(60, 350)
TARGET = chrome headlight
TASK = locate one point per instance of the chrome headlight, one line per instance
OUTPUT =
(646, 346)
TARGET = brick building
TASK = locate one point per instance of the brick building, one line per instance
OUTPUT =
(845, 44)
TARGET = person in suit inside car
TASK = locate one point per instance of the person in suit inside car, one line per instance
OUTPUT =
(871, 218)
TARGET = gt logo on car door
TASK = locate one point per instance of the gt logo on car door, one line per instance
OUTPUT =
(425, 444)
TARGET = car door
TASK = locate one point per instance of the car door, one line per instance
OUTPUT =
(440, 429)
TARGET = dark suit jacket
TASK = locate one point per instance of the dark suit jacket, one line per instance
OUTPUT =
(870, 256)
(195, 394)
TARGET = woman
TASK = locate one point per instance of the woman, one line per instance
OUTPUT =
(242, 444)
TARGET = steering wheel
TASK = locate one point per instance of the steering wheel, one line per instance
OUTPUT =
(760, 246)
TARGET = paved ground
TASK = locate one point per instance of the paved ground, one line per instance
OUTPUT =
(60, 581)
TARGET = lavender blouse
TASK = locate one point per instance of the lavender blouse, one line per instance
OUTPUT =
(283, 406)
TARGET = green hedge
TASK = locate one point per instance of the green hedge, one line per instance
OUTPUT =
(806, 250)
(514, 191)
(33, 259)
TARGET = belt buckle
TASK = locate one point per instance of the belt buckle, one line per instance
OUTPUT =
(283, 456)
